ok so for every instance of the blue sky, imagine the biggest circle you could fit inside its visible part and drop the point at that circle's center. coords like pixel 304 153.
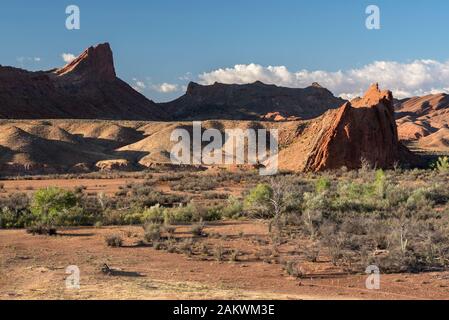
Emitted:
pixel 171 41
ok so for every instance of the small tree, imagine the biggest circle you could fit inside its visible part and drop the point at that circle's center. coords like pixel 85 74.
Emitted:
pixel 50 206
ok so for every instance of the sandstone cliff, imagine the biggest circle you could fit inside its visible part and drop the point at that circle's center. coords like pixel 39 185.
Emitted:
pixel 86 88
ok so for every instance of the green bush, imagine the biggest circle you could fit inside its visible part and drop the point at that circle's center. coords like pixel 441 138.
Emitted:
pixel 180 215
pixel 13 219
pixel 233 208
pixel 210 214
pixel 258 201
pixel 56 207
pixel 442 164
pixel 322 185
pixel 154 214
pixel 15 211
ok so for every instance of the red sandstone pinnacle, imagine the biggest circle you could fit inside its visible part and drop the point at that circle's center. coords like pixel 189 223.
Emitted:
pixel 94 62
pixel 364 129
pixel 86 88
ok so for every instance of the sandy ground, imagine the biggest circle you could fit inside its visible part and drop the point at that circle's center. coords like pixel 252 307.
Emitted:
pixel 33 267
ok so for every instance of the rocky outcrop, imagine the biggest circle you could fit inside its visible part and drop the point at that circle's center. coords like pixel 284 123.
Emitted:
pixel 96 62
pixel 114 165
pixel 363 130
pixel 86 88
pixel 251 102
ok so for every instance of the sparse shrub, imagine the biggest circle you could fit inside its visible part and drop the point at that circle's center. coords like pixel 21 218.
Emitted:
pixel 171 247
pixel 215 195
pixel 365 165
pixel 194 183
pixel 154 214
pixel 418 199
pixel 292 268
pixel 322 185
pixel 219 253
pixel 442 164
pixel 152 232
pixel 114 241
pixel 233 208
pixel 40 229
pixel 186 247
pixel 312 253
pixel 235 254
pixel 204 249
pixel 79 189
pixel 98 224
pixel 170 230
pixel 198 229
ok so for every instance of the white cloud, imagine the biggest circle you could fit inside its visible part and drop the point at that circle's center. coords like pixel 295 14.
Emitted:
pixel 419 77
pixel 165 87
pixel 68 57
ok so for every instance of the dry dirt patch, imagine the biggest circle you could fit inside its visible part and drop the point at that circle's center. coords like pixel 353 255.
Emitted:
pixel 34 268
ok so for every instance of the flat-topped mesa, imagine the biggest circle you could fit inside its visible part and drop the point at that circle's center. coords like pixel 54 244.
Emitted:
pixel 252 101
pixel 94 63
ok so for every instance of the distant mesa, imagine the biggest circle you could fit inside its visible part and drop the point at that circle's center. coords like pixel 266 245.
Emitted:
pixel 86 88
pixel 251 102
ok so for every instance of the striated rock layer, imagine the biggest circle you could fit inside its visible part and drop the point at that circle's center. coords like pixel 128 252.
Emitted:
pixel 361 130
pixel 424 121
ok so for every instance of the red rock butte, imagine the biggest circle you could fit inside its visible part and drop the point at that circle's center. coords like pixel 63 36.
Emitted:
pixel 96 61
pixel 363 130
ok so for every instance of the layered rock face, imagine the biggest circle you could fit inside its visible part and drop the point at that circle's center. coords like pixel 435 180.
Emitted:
pixel 256 101
pixel 361 130
pixel 424 121
pixel 86 88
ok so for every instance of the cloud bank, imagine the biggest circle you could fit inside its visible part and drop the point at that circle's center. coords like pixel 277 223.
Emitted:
pixel 419 77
